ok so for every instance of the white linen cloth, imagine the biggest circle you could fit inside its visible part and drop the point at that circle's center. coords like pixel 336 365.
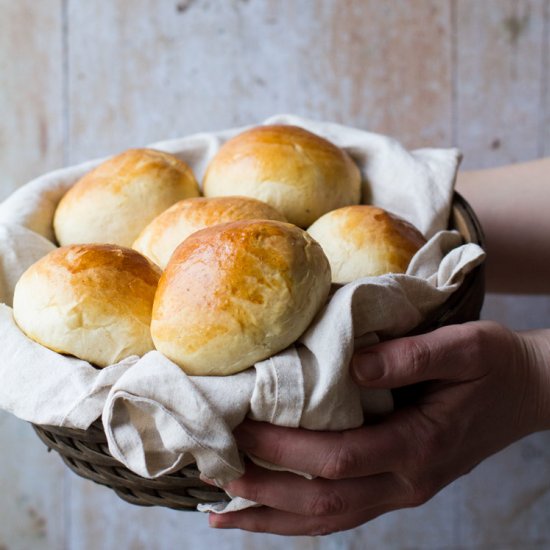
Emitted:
pixel 156 418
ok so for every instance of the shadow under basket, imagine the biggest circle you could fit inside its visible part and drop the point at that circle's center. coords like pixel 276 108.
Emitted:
pixel 87 454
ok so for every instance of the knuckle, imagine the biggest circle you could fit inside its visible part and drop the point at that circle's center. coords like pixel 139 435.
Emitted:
pixel 244 489
pixel 474 339
pixel 275 446
pixel 342 462
pixel 477 337
pixel 417 354
pixel 477 342
pixel 278 451
pixel 327 504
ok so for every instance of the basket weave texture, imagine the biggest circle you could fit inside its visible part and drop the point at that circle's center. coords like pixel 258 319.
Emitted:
pixel 86 452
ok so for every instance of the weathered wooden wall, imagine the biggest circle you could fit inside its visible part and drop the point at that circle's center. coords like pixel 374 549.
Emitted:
pixel 84 79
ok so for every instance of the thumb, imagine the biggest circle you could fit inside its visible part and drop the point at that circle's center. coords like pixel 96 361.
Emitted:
pixel 444 354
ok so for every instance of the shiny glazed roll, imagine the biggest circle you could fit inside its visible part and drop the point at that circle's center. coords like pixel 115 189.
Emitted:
pixel 365 241
pixel 116 200
pixel 236 293
pixel 162 236
pixel 90 301
pixel 297 172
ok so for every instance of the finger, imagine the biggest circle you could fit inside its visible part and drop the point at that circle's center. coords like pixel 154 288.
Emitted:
pixel 359 452
pixel 316 497
pixel 444 354
pixel 268 520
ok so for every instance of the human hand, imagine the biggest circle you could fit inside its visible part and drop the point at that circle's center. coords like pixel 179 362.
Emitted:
pixel 482 387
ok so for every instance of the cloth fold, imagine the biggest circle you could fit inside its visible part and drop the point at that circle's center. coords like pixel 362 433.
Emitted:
pixel 156 418
pixel 160 428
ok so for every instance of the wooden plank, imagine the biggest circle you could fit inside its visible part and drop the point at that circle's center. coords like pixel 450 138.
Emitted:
pixel 152 70
pixel 31 488
pixel 386 66
pixel 507 501
pixel 31 78
pixel 31 142
pixel 544 116
pixel 518 312
pixel 499 80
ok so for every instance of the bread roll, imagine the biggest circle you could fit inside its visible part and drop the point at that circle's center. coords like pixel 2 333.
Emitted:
pixel 365 241
pixel 116 200
pixel 90 301
pixel 161 237
pixel 297 172
pixel 236 293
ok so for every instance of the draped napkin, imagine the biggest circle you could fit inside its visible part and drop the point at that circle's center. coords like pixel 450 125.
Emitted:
pixel 156 418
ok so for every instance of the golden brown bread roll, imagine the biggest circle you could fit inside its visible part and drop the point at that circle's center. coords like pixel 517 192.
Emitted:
pixel 116 200
pixel 297 172
pixel 236 293
pixel 90 301
pixel 365 241
pixel 161 237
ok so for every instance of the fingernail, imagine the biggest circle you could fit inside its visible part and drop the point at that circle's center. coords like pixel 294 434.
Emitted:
pixel 246 440
pixel 218 521
pixel 367 367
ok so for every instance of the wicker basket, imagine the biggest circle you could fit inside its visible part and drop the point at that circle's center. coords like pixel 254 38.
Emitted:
pixel 87 453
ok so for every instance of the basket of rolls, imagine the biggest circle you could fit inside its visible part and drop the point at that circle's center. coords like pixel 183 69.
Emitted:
pixel 152 300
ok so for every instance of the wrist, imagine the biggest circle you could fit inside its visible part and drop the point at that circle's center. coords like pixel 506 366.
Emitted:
pixel 537 351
